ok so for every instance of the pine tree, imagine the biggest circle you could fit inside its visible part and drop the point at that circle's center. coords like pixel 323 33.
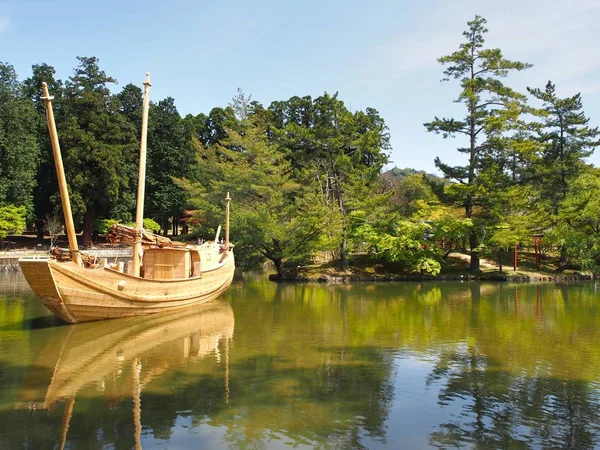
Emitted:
pixel 566 141
pixel 490 106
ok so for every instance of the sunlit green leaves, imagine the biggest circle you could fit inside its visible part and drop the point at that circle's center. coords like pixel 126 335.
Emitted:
pixel 12 220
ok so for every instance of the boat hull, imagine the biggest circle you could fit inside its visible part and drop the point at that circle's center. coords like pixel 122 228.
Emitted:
pixel 76 294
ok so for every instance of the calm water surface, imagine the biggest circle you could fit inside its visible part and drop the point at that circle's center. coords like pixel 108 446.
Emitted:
pixel 275 366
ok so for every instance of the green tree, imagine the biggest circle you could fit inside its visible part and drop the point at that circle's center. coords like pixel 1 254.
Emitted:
pixel 212 128
pixel 129 104
pixel 346 152
pixel 448 228
pixel 46 199
pixel 168 157
pixel 409 191
pixel 274 216
pixel 406 244
pixel 491 109
pixel 511 219
pixel 577 228
pixel 12 220
pixel 96 139
pixel 566 139
pixel 19 147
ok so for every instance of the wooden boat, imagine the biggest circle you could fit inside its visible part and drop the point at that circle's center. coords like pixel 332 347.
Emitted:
pixel 162 276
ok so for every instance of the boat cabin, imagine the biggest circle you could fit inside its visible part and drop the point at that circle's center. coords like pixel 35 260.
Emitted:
pixel 178 263
pixel 171 263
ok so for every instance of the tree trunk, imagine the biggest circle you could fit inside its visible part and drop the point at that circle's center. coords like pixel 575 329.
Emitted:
pixel 279 267
pixel 562 265
pixel 344 243
pixel 474 267
pixel 343 258
pixel 174 227
pixel 88 227
pixel 500 262
pixel 39 228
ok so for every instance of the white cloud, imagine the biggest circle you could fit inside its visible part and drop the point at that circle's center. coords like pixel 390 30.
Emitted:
pixel 4 23
pixel 559 38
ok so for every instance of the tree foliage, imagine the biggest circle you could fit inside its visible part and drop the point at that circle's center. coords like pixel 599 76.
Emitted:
pixel 274 216
pixel 46 199
pixel 566 140
pixel 168 156
pixel 12 220
pixel 492 109
pixel 345 151
pixel 305 173
pixel 19 146
pixel 96 139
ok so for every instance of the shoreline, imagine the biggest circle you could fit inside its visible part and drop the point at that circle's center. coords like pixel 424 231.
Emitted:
pixel 9 263
pixel 347 279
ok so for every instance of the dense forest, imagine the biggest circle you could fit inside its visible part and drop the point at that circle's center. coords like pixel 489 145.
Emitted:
pixel 305 174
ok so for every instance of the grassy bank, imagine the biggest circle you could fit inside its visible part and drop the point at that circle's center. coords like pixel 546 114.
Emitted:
pixel 456 266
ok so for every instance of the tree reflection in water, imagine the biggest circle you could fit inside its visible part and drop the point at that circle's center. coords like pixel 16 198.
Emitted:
pixel 513 409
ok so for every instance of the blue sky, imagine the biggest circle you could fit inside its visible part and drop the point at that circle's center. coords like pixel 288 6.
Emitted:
pixel 377 53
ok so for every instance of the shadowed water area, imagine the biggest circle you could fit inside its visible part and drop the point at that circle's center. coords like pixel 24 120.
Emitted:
pixel 410 365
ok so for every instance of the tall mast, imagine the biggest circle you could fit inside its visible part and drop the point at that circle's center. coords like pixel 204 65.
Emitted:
pixel 60 174
pixel 139 210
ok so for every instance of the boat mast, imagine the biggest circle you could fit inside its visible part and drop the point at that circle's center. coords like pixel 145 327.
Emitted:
pixel 60 174
pixel 139 210
pixel 228 199
pixel 66 422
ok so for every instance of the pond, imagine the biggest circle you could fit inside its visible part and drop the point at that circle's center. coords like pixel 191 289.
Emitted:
pixel 398 365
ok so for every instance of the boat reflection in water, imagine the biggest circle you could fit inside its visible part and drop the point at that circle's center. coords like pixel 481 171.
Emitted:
pixel 120 357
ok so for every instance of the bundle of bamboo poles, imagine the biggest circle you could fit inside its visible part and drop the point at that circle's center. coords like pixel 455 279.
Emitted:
pixel 122 234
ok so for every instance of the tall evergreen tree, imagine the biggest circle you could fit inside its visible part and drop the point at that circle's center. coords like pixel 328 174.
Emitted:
pixel 46 199
pixel 95 138
pixel 168 157
pixel 490 108
pixel 566 140
pixel 19 147
pixel 129 104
